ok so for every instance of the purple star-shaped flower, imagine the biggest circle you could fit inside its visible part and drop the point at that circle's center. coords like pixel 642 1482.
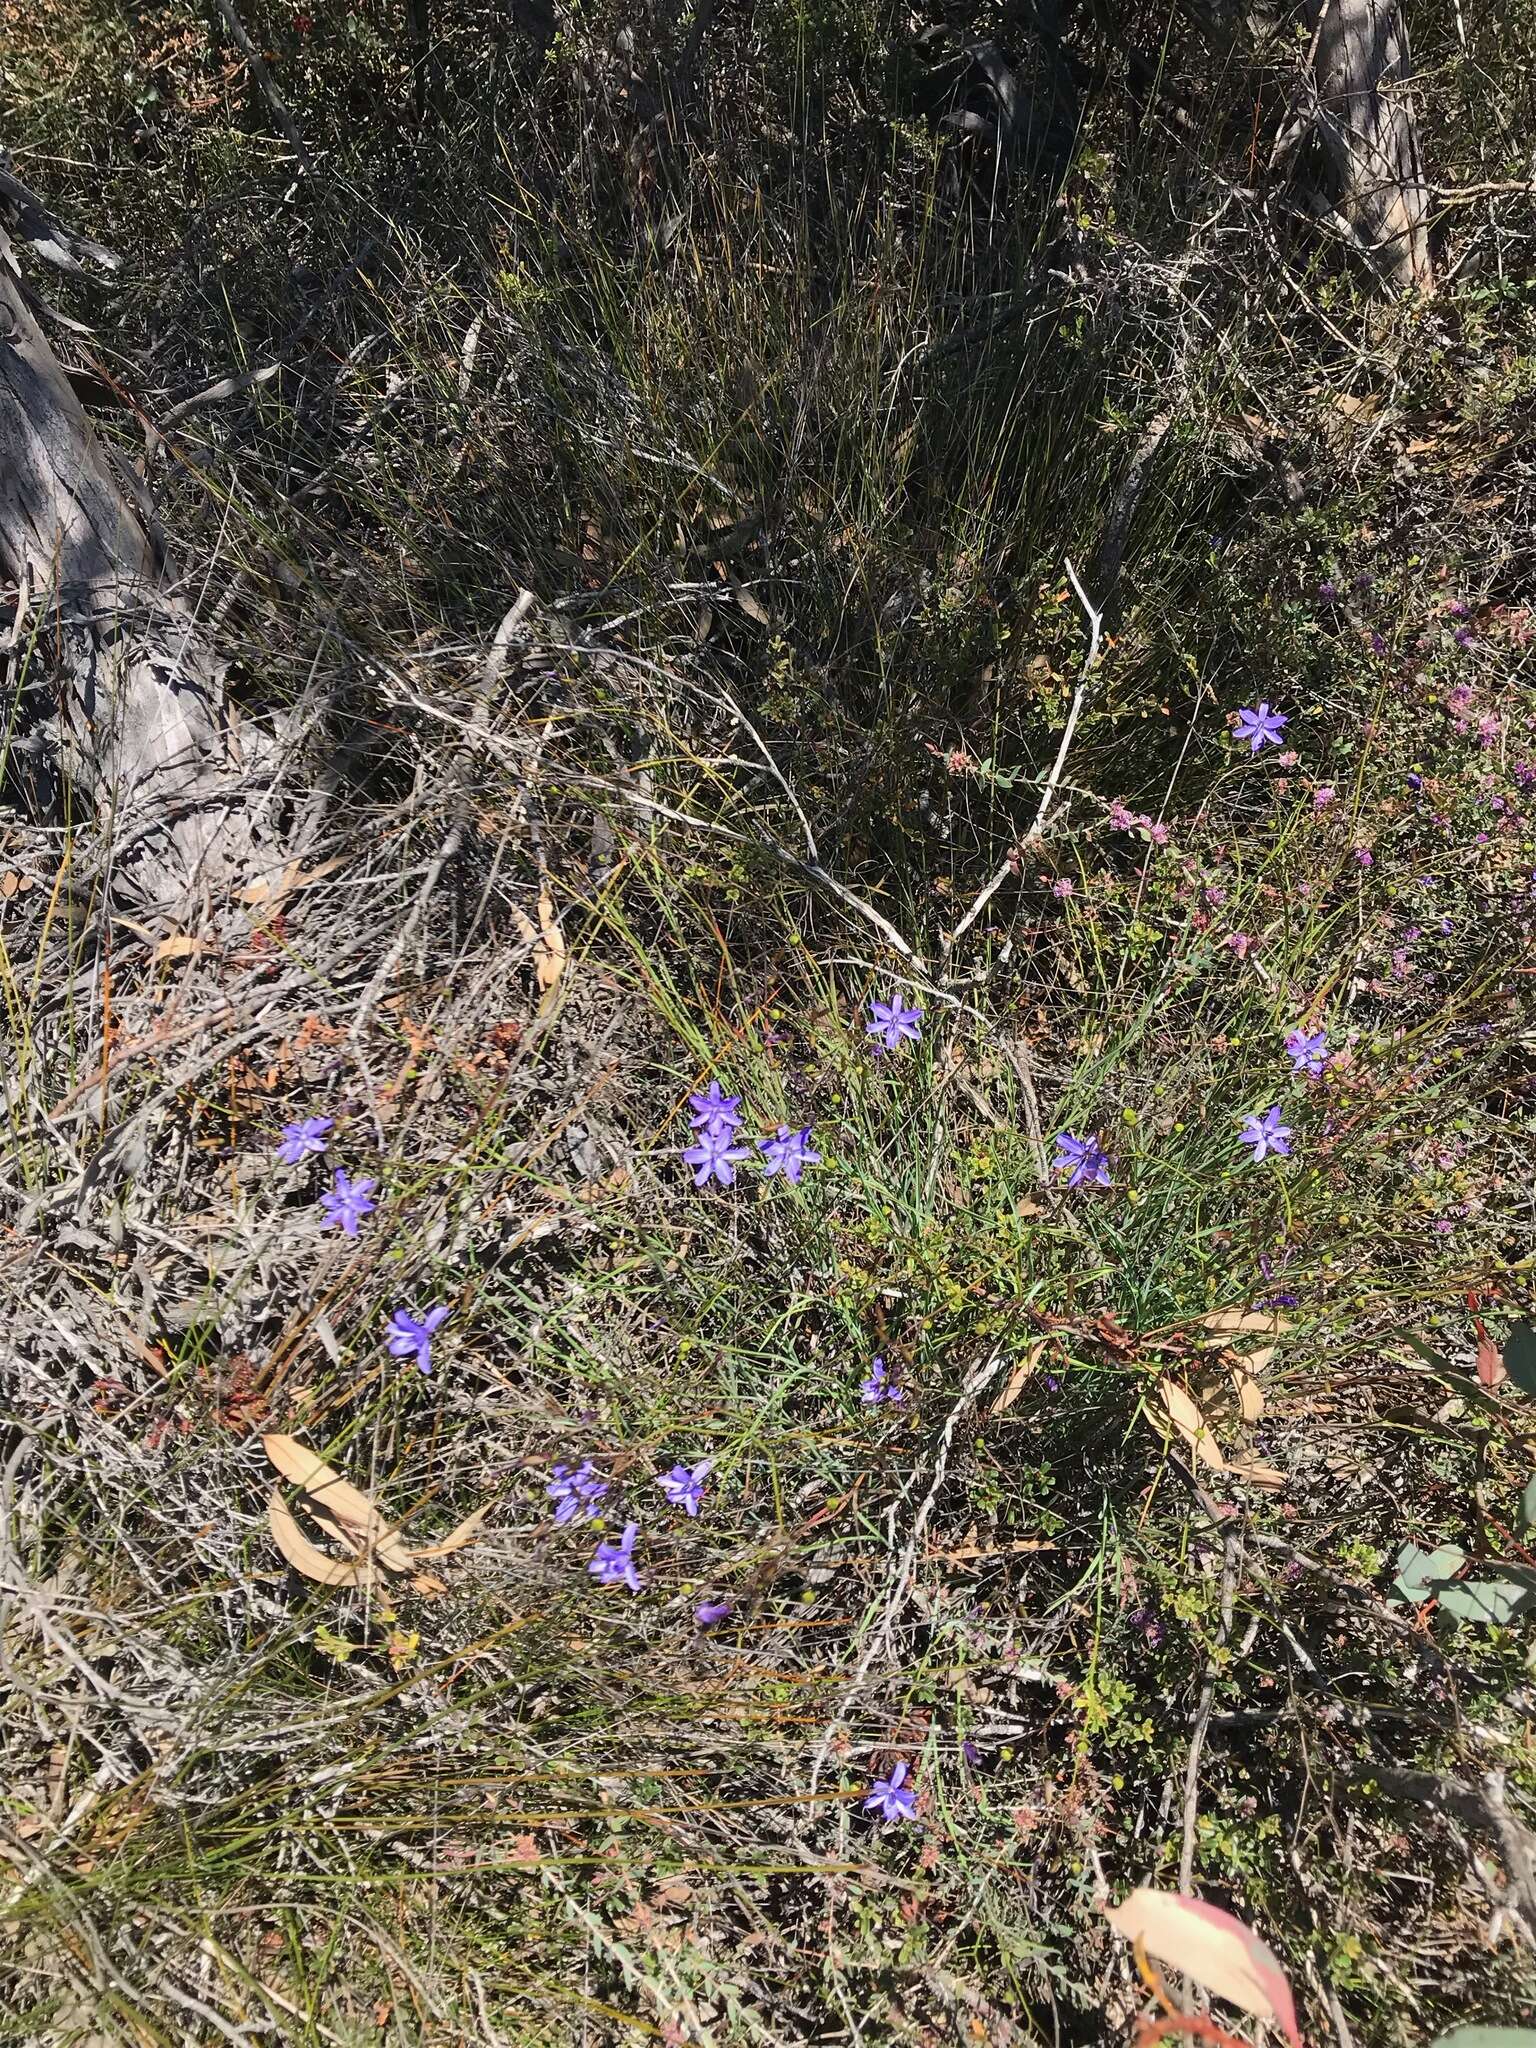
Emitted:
pixel 891 1024
pixel 1266 1134
pixel 1260 726
pixel 613 1564
pixel 714 1113
pixel 576 1494
pixel 879 1386
pixel 893 1798
pixel 304 1139
pixel 713 1157
pixel 1308 1051
pixel 789 1153
pixel 347 1203
pixel 685 1489
pixel 409 1338
pixel 708 1612
pixel 1083 1160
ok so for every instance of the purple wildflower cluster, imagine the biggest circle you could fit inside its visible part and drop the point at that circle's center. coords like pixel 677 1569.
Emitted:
pixel 1266 1133
pixel 684 1488
pixel 1308 1051
pixel 344 1204
pixel 613 1564
pixel 577 1493
pixel 715 1154
pixel 303 1140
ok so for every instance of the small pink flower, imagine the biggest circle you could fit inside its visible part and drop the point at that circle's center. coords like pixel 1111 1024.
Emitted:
pixel 1323 796
pixel 1119 817
pixel 1156 831
pixel 1061 888
pixel 1289 758
pixel 1240 943
pixel 1215 896
pixel 1364 856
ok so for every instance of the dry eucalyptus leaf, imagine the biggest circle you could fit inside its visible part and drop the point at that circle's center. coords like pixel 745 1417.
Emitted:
pixel 1256 1472
pixel 1021 1372
pixel 1230 1322
pixel 752 606
pixel 1491 1369
pixel 547 941
pixel 1250 1395
pixel 456 1539
pixel 1190 1424
pixel 1213 1948
pixel 326 1487
pixel 306 1557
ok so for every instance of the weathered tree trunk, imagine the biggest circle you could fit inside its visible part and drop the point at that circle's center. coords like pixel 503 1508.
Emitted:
pixel 142 732
pixel 1361 69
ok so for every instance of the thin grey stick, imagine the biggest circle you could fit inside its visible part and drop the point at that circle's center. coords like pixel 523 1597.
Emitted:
pixel 1048 795
pixel 1232 1555
pixel 282 113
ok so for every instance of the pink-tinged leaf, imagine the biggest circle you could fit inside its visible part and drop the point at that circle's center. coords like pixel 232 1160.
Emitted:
pixel 1213 1948
pixel 1490 1363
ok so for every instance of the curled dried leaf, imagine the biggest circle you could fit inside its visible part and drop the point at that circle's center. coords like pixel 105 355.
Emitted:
pixel 306 1557
pixel 1256 1472
pixel 456 1539
pixel 1027 1365
pixel 547 941
pixel 1491 1369
pixel 1191 1425
pixel 1250 1395
pixel 344 1502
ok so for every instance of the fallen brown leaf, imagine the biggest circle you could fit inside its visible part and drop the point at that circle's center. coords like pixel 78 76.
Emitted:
pixel 1211 1946
pixel 1187 1419
pixel 339 1497
pixel 1226 1322
pixel 548 943
pixel 1256 1472
pixel 1250 1395
pixel 307 1557
pixel 466 1532
pixel 1026 1366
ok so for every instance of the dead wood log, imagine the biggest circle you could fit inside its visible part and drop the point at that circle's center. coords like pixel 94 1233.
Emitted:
pixel 1365 119
pixel 141 725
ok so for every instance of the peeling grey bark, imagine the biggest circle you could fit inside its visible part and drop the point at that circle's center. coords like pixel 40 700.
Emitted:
pixel 143 732
pixel 1365 117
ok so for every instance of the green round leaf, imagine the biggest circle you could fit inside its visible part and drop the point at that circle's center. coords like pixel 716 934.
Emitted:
pixel 1487 2037
pixel 1422 1572
pixel 1493 1602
